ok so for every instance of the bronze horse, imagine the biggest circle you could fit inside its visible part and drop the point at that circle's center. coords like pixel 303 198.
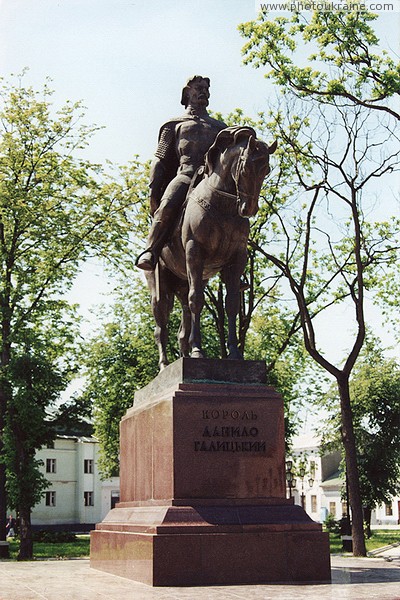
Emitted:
pixel 210 237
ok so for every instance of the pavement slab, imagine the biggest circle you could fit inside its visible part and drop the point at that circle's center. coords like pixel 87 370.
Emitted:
pixel 352 579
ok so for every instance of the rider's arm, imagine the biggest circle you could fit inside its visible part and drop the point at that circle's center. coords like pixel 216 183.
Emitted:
pixel 158 177
pixel 164 165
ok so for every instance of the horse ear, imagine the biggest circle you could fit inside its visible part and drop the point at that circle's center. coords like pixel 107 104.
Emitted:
pixel 251 143
pixel 221 142
pixel 273 147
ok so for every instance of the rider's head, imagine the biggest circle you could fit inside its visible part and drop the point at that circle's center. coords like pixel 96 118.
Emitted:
pixel 196 92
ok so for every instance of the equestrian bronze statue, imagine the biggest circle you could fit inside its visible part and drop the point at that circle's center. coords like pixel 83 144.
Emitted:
pixel 182 145
pixel 206 229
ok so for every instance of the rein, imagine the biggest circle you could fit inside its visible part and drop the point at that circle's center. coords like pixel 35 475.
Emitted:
pixel 237 196
pixel 224 208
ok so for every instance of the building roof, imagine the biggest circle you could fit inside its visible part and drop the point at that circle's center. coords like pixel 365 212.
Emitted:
pixel 79 438
pixel 336 480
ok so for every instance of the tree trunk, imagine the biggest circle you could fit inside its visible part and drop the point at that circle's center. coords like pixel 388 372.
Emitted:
pixel 349 444
pixel 3 500
pixel 367 520
pixel 25 531
pixel 4 399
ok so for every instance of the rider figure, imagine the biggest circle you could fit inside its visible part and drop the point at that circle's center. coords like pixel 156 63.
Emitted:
pixel 182 145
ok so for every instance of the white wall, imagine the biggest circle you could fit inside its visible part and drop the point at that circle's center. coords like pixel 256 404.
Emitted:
pixel 306 449
pixel 70 482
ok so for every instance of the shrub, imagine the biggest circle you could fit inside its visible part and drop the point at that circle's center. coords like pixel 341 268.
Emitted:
pixel 53 537
pixel 331 524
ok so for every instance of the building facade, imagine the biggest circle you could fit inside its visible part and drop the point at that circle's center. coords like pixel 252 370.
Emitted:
pixel 76 496
pixel 319 485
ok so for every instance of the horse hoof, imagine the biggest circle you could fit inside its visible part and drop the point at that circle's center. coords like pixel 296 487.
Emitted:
pixel 196 354
pixel 162 366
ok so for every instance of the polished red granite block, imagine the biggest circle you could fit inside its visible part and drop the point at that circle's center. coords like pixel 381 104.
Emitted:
pixel 213 558
pixel 203 492
pixel 204 441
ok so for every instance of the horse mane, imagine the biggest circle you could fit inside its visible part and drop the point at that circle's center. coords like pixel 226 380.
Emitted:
pixel 225 138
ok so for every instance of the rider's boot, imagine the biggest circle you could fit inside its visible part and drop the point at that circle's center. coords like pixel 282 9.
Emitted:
pixel 149 258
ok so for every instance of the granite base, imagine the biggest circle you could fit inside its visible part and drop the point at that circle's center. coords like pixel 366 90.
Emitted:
pixel 203 492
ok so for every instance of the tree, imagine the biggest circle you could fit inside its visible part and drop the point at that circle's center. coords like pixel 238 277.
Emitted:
pixel 342 45
pixel 56 209
pixel 338 148
pixel 350 252
pixel 120 358
pixel 377 416
pixel 39 370
pixel 375 398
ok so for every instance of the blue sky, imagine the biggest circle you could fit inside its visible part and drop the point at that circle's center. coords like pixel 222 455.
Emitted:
pixel 128 60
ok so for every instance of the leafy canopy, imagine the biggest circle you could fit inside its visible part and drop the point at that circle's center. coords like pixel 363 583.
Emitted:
pixel 342 48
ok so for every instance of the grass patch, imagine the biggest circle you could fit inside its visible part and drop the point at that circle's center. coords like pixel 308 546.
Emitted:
pixel 41 550
pixel 379 538
pixel 81 546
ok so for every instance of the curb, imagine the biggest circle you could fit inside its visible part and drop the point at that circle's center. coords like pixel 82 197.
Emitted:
pixel 383 549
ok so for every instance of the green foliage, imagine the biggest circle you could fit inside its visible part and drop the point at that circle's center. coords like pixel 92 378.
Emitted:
pixel 119 358
pixel 38 371
pixel 342 45
pixel 375 395
pixel 53 537
pixel 376 399
pixel 331 524
pixel 56 210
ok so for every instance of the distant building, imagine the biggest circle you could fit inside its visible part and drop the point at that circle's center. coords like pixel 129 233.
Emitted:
pixel 319 491
pixel 76 497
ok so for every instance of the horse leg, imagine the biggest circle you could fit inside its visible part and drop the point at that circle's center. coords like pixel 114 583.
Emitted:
pixel 162 300
pixel 231 276
pixel 194 265
pixel 182 293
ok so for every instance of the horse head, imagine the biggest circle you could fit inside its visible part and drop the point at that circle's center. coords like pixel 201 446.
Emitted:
pixel 242 163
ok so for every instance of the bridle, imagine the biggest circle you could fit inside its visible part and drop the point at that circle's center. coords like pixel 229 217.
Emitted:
pixel 239 194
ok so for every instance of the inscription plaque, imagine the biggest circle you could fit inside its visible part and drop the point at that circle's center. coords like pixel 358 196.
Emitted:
pixel 250 433
pixel 231 446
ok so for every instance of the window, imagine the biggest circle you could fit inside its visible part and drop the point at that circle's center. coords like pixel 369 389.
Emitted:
pixel 344 509
pixel 388 510
pixel 88 465
pixel 312 468
pixel 314 504
pixel 332 508
pixel 50 498
pixel 88 498
pixel 50 465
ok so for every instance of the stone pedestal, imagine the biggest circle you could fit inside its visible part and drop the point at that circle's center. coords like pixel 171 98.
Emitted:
pixel 4 550
pixel 203 493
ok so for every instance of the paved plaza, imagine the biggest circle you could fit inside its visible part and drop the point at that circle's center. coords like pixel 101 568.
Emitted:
pixel 377 577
